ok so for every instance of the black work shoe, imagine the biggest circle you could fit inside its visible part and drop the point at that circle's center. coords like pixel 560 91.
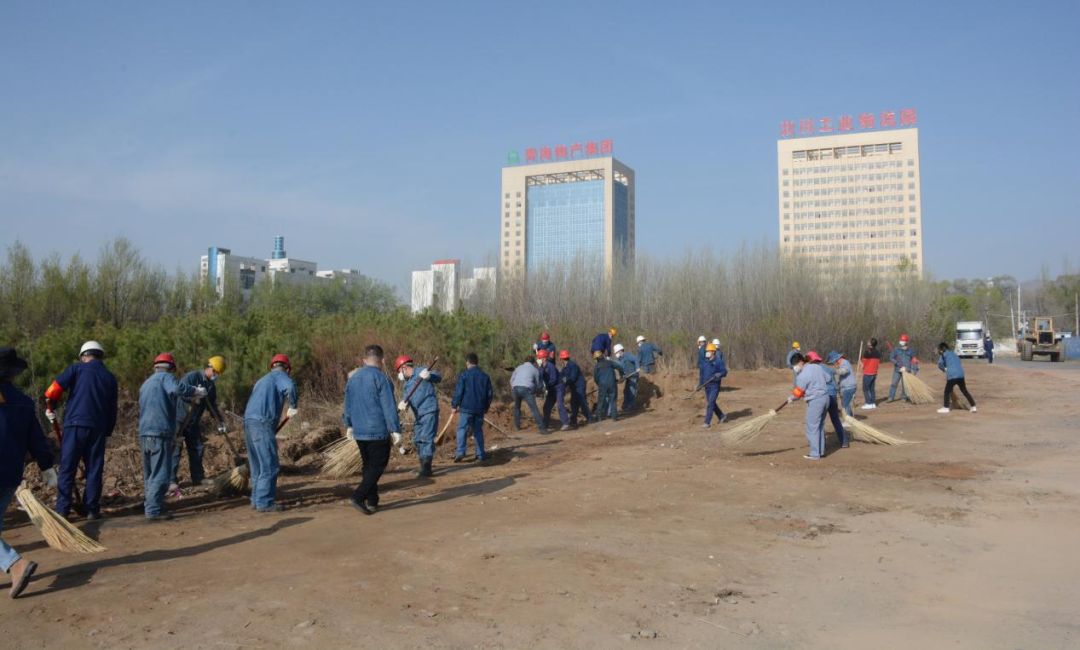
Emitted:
pixel 359 505
pixel 425 470
pixel 165 516
pixel 373 506
pixel 459 459
pixel 723 418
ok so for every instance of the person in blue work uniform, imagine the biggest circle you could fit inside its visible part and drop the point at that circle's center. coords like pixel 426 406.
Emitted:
pixel 157 431
pixel 555 392
pixel 191 438
pixel 903 358
pixel 711 373
pixel 574 381
pixel 89 419
pixel 546 345
pixel 602 343
pixel 701 343
pixel 261 417
pixel 647 351
pixel 425 407
pixel 796 350
pixel 607 386
pixel 525 383
pixel 472 399
pixel 834 403
pixel 629 364
pixel 949 363
pixel 811 385
pixel 20 434
pixel 988 345
pixel 846 374
pixel 372 421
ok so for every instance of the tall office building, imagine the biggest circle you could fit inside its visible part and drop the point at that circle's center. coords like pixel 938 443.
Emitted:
pixel 852 199
pixel 576 210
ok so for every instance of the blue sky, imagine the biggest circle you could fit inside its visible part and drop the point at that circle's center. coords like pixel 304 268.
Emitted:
pixel 372 135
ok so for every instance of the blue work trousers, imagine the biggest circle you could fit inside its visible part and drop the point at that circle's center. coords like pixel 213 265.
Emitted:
pixel 192 441
pixel 847 395
pixel 629 394
pixel 525 394
pixel 157 468
pixel 424 434
pixel 474 421
pixel 897 380
pixel 86 445
pixel 869 389
pixel 261 439
pixel 8 555
pixel 834 416
pixel 607 402
pixel 712 393
pixel 815 425
pixel 579 402
pixel 555 396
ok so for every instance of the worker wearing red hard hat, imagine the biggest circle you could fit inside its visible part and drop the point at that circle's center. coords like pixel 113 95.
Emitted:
pixel 555 390
pixel 89 419
pixel 261 417
pixel 811 385
pixel 546 345
pixel 418 393
pixel 157 431
pixel 903 358
pixel 574 381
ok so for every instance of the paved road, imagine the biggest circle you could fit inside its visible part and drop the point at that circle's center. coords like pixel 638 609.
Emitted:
pixel 1070 366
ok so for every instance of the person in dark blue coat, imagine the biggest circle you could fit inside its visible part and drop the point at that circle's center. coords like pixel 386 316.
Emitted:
pixel 20 433
pixel 191 438
pixel 602 343
pixel 554 390
pixel 472 399
pixel 988 345
pixel 574 381
pixel 420 382
pixel 89 419
pixel 607 374
pixel 546 345
pixel 261 417
pixel 371 420
pixel 647 353
pixel 712 372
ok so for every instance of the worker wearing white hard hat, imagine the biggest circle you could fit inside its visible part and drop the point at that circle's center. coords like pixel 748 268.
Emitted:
pixel 647 353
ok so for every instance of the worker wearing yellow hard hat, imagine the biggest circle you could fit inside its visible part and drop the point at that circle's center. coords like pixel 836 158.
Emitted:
pixel 795 349
pixel 190 437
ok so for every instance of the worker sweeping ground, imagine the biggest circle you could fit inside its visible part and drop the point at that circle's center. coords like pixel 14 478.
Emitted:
pixel 629 364
pixel 554 391
pixel 419 391
pixel 647 354
pixel 811 385
pixel 711 373
pixel 871 360
pixel 525 383
pixel 949 363
pixel 191 437
pixel 20 434
pixel 607 374
pixel 574 382
pixel 89 420
pixel 372 421
pixel 472 399
pixel 846 376
pixel 832 391
pixel 603 343
pixel 261 417
pixel 903 359
pixel 158 430
pixel 789 361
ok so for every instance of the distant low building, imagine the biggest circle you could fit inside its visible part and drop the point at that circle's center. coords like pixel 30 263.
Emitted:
pixel 220 265
pixel 441 287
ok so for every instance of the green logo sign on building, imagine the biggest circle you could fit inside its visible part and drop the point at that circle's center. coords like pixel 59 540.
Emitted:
pixel 512 158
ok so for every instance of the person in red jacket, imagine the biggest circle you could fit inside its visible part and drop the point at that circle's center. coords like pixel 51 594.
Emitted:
pixel 870 361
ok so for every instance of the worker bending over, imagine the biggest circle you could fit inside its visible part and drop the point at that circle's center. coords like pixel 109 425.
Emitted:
pixel 574 381
pixel 554 390
pixel 191 437
pixel 949 363
pixel 602 343
pixel 420 383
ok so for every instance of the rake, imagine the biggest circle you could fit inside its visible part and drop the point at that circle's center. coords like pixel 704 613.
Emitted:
pixel 750 429
pixel 56 530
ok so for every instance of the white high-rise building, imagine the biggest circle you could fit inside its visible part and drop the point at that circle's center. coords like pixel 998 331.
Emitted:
pixel 442 288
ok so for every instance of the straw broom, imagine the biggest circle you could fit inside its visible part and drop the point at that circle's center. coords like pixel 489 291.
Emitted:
pixel 865 433
pixel 342 458
pixel 750 429
pixel 917 390
pixel 56 530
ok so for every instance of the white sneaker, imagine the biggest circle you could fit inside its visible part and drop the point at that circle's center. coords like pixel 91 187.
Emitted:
pixel 943 410
pixel 974 409
pixel 867 407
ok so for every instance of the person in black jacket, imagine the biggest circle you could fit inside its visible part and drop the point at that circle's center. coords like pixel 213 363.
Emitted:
pixel 574 381
pixel 607 374
pixel 472 399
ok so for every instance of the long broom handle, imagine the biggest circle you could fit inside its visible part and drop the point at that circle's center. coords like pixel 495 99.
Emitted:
pixel 417 384
pixel 858 371
pixel 625 377
pixel 446 426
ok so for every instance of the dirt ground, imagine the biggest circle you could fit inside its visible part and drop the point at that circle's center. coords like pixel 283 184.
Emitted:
pixel 648 532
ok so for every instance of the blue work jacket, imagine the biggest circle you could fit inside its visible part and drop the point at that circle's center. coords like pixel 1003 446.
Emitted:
pixel 711 368
pixel 604 373
pixel 548 346
pixel 20 432
pixel 549 375
pixel 847 375
pixel 830 388
pixel 647 353
pixel 268 397
pixel 629 363
pixel 601 342
pixel 424 400
pixel 157 404
pixel 572 376
pixel 92 396
pixel 369 405
pixel 904 357
pixel 473 392
pixel 950 364
pixel 197 378
pixel 790 354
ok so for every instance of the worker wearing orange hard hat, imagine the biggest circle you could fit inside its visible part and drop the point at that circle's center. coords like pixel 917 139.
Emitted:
pixel 789 361
pixel 603 343
pixel 261 417
pixel 190 439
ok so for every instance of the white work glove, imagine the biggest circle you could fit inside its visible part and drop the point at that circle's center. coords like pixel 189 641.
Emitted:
pixel 292 412
pixel 402 405
pixel 903 369
pixel 200 392
pixel 349 432
pixel 49 476
pixel 791 400
pixel 50 416
pixel 425 374
pixel 221 428
pixel 395 437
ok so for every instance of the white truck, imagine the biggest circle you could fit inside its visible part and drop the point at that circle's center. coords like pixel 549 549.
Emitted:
pixel 969 340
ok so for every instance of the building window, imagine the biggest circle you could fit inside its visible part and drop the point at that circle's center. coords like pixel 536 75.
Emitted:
pixel 786 204
pixel 913 233
pixel 518 195
pixel 518 213
pixel 519 204
pixel 507 205
pixel 787 226
pixel 911 174
pixel 787 215
pixel 910 197
pixel 786 195
pixel 914 256
pixel 785 172
pixel 911 186
pixel 911 208
pixel 508 195
pixel 506 224
pixel 507 215
pixel 786 182
pixel 506 253
pixel 910 162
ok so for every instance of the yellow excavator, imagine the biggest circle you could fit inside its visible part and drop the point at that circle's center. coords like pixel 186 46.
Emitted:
pixel 1042 339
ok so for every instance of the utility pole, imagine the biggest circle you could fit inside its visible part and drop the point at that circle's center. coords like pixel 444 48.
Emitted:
pixel 1076 313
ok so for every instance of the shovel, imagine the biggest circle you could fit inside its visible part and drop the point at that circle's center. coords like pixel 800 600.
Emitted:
pixel 695 391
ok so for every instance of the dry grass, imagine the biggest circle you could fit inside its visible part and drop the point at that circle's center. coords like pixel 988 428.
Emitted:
pixel 56 530
pixel 865 433
pixel 236 480
pixel 342 458
pixel 917 390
